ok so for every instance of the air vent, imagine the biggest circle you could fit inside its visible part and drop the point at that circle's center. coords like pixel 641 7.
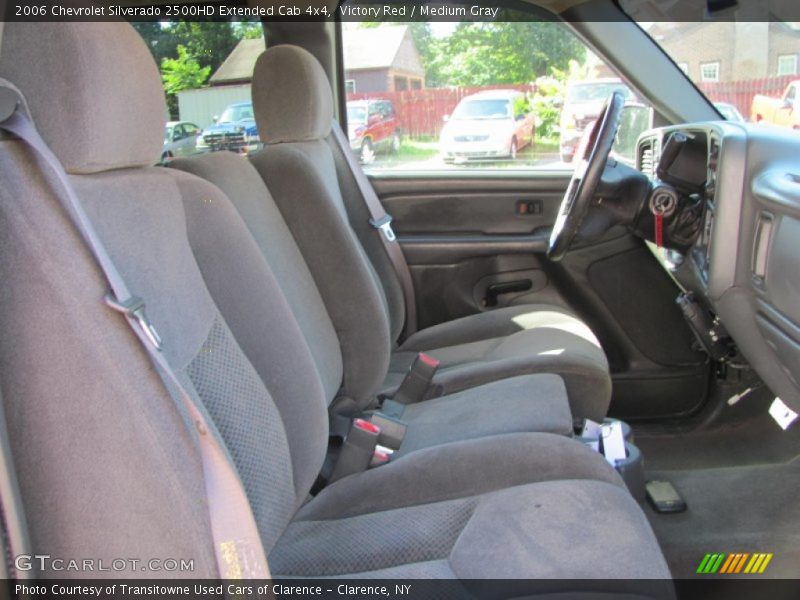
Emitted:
pixel 646 157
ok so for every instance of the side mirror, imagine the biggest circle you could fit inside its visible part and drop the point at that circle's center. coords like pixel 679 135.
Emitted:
pixel 445 118
pixel 215 118
pixel 634 121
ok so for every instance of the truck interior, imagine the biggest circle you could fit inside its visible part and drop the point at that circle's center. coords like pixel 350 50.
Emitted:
pixel 408 372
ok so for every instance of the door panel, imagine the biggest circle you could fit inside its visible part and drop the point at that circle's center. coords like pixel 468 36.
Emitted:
pixel 471 249
pixel 485 205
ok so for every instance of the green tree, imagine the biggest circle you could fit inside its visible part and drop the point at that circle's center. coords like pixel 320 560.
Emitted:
pixel 182 73
pixel 509 52
pixel 209 43
pixel 248 30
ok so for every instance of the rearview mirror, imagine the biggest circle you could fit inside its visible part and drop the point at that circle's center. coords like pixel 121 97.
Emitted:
pixel 215 118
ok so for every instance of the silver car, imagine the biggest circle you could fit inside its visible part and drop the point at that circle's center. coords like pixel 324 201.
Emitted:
pixel 487 125
pixel 180 139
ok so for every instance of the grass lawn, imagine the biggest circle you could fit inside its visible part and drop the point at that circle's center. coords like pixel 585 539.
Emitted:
pixel 424 149
pixel 424 152
pixel 412 149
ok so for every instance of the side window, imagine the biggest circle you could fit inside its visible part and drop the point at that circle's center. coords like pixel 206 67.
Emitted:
pixel 179 133
pixel 473 95
pixel 791 94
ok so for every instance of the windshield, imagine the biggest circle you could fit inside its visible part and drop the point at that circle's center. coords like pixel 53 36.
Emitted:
pixel 356 114
pixel 483 109
pixel 167 133
pixel 595 92
pixel 232 114
pixel 742 67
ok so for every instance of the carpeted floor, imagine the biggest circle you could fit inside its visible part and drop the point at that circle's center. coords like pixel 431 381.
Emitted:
pixel 742 487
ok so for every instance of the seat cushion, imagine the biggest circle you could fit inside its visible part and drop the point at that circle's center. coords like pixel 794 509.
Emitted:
pixel 520 404
pixel 520 506
pixel 512 341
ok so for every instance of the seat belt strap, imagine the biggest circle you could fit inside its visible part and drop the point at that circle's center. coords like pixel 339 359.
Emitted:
pixel 382 222
pixel 237 544
pixel 17 540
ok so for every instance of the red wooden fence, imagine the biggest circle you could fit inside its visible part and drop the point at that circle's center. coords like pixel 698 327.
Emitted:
pixel 421 112
pixel 741 93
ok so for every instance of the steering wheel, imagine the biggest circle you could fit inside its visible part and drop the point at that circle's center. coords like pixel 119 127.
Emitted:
pixel 586 178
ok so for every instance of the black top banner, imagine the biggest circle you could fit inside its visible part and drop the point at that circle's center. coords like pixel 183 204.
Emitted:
pixel 398 10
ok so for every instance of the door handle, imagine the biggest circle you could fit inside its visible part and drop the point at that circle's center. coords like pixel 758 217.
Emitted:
pixel 507 287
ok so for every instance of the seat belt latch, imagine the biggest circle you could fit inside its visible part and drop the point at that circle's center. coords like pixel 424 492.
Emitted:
pixel 418 380
pixel 134 309
pixel 358 449
pixel 384 224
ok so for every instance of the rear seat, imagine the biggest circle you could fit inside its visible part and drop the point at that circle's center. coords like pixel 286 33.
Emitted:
pixel 106 466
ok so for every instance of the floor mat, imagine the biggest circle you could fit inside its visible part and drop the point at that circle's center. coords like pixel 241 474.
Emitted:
pixel 732 509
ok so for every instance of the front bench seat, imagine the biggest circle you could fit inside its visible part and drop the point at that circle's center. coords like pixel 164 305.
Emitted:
pixel 85 410
pixel 316 193
pixel 535 402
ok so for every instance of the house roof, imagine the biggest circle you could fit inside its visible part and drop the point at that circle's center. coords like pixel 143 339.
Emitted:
pixel 364 48
pixel 239 64
pixel 372 47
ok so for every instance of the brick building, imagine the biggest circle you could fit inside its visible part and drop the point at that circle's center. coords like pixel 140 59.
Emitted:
pixel 731 51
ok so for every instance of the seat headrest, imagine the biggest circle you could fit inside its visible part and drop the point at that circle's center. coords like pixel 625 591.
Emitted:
pixel 292 97
pixel 93 90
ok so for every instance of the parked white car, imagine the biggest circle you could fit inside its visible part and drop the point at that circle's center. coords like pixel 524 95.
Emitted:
pixel 180 139
pixel 487 125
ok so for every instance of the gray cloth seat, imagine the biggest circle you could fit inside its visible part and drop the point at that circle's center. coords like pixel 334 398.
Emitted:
pixel 533 503
pixel 317 195
pixel 507 342
pixel 91 424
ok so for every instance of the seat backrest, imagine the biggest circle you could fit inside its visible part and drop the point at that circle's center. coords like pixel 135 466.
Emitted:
pixel 294 111
pixel 240 182
pixel 91 425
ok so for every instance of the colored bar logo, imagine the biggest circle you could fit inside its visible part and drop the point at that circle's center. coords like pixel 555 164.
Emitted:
pixel 734 563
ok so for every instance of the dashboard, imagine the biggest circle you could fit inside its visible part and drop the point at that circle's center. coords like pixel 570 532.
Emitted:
pixel 743 260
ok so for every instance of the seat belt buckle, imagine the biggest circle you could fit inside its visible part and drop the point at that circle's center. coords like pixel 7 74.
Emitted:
pixel 384 225
pixel 358 450
pixel 393 431
pixel 418 380
pixel 134 308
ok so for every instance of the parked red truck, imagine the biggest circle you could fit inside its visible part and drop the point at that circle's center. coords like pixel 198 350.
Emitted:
pixel 783 111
